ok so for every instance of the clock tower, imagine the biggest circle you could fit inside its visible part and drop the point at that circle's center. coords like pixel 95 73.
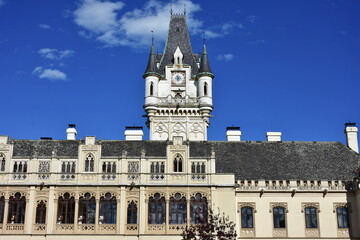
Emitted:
pixel 178 88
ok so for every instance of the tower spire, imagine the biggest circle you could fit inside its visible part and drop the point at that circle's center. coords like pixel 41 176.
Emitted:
pixel 151 67
pixel 204 64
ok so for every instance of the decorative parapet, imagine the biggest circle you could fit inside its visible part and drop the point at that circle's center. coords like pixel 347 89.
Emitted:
pixel 171 101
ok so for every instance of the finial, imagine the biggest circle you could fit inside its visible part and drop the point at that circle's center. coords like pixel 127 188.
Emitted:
pixel 152 37
pixel 171 12
pixel 203 36
pixel 184 8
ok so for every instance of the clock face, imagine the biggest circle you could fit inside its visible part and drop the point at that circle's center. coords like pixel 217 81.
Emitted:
pixel 178 78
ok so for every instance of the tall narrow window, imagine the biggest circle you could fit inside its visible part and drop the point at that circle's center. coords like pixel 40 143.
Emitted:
pixel 311 217
pixel 89 163
pixel 40 212
pixel 151 89
pixel 178 163
pixel 132 213
pixel 2 208
pixel 2 162
pixel 247 217
pixel 205 89
pixel 66 209
pixel 198 209
pixel 17 205
pixel 177 209
pixel 107 209
pixel 279 217
pixel 87 205
pixel 342 217
pixel 157 209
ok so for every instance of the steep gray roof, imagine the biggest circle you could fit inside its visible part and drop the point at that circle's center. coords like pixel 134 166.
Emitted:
pixel 178 35
pixel 151 67
pixel 281 160
pixel 46 148
pixel 133 148
pixel 204 64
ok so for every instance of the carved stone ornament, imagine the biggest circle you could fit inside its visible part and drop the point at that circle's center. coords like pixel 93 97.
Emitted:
pixel 178 128
pixel 278 204
pixel 90 147
pixel 344 204
pixel 305 205
pixel 4 147
pixel 133 166
pixel 246 204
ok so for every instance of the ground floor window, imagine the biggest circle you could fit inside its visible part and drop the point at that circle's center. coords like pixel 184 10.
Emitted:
pixel 107 209
pixel 17 205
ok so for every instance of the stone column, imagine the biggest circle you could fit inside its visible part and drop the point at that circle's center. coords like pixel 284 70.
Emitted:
pixel 6 212
pixel 97 211
pixel 51 211
pixel 142 220
pixel 121 211
pixel 29 211
pixel 76 214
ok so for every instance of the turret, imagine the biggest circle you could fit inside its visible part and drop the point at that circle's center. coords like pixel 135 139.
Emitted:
pixel 205 78
pixel 152 78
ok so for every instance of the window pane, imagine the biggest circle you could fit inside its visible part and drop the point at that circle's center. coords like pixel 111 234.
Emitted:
pixel 247 217
pixel 311 217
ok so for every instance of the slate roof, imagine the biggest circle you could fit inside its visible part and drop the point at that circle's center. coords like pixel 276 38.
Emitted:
pixel 204 64
pixel 46 148
pixel 260 160
pixel 178 35
pixel 281 160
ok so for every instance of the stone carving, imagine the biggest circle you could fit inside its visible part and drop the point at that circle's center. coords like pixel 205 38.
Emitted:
pixel 178 128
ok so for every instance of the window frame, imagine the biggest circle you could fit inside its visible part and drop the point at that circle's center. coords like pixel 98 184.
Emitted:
pixel 108 208
pixel 199 208
pixel 346 217
pixel 68 216
pixel 157 209
pixel 277 217
pixel 132 212
pixel 246 225
pixel 311 216
pixel 177 209
pixel 17 209
pixel 40 215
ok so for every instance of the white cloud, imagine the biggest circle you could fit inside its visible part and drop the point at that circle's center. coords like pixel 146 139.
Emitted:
pixel 44 26
pixel 225 57
pixel 257 41
pixel 55 54
pixel 252 18
pixel 103 21
pixel 2 2
pixel 51 74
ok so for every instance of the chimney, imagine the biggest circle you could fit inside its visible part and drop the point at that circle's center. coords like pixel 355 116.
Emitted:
pixel 71 132
pixel 273 136
pixel 351 136
pixel 233 134
pixel 134 133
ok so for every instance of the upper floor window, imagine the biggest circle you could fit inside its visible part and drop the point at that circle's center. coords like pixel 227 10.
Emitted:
pixel 311 217
pixel 198 167
pixel 107 209
pixel 17 205
pixel 178 163
pixel 66 209
pixel 157 167
pixel 342 217
pixel 2 162
pixel 20 167
pixel 40 212
pixel 247 217
pixel 279 217
pixel 177 208
pixel 87 206
pixel 89 163
pixel 157 209
pixel 198 209
pixel 68 167
pixel 132 212
pixel 109 167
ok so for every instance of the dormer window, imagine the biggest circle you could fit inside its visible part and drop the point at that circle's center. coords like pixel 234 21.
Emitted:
pixel 178 56
pixel 178 163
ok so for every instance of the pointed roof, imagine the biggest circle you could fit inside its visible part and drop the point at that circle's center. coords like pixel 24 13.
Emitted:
pixel 204 64
pixel 178 36
pixel 151 67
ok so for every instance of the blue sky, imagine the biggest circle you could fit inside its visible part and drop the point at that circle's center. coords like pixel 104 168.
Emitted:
pixel 289 66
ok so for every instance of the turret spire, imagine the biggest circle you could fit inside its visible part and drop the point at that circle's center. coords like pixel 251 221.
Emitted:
pixel 204 64
pixel 151 67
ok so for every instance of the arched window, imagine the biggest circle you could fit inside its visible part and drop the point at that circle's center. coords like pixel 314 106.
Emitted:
pixel 89 163
pixel 311 217
pixel 107 209
pixel 198 209
pixel 247 217
pixel 2 208
pixel 87 206
pixel 66 209
pixel 40 212
pixel 17 205
pixel 205 89
pixel 178 163
pixel 342 217
pixel 151 89
pixel 132 213
pixel 177 209
pixel 157 209
pixel 279 217
pixel 2 162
